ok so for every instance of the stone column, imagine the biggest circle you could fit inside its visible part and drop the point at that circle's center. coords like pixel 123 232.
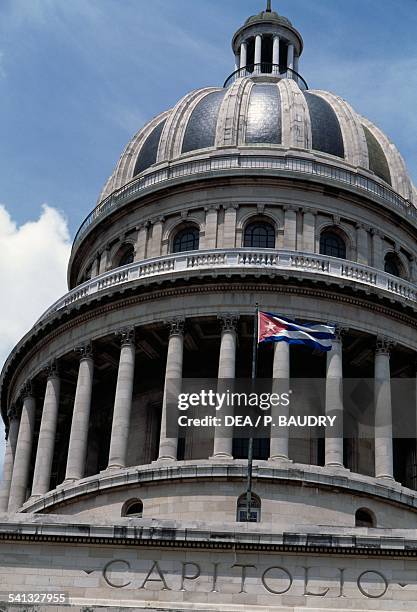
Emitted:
pixel 290 228
pixel 309 231
pixel 275 51
pixel 141 242
pixel 47 434
pixel 9 456
pixel 223 436
pixel 123 400
pixel 95 266
pixel 362 244
pixel 383 411
pixel 104 260
pixel 296 62
pixel 243 54
pixel 258 49
pixel 229 228
pixel 77 450
pixel 156 242
pixel 378 261
pixel 334 402
pixel 21 466
pixel 210 238
pixel 281 377
pixel 290 57
pixel 168 444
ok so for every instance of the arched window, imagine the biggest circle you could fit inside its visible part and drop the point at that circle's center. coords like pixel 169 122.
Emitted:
pixel 332 244
pixel 133 508
pixel 255 509
pixel 186 239
pixel 393 265
pixel 364 518
pixel 259 235
pixel 126 256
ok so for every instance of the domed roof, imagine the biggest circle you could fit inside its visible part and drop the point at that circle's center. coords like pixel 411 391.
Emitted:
pixel 272 116
pixel 269 16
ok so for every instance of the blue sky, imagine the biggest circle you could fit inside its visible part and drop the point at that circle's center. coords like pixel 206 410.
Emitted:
pixel 78 78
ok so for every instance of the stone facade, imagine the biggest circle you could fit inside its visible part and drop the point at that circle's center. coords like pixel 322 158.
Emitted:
pixel 260 192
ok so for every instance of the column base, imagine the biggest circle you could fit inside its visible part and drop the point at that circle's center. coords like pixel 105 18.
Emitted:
pixel 68 481
pixel 334 464
pixel 221 457
pixel 386 477
pixel 164 460
pixel 280 459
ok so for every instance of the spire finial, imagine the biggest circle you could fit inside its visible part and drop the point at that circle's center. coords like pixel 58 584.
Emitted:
pixel 268 6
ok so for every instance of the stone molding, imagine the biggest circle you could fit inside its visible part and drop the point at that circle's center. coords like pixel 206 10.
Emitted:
pixel 392 543
pixel 321 477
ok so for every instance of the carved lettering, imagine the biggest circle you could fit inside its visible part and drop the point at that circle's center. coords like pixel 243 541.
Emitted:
pixel 107 568
pixel 269 588
pixel 244 567
pixel 184 575
pixel 155 568
pixel 366 593
pixel 307 592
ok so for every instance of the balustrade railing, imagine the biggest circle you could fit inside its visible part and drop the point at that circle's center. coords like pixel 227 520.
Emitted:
pixel 268 70
pixel 238 260
pixel 279 164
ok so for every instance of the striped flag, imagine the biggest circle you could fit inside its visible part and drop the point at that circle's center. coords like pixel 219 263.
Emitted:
pixel 274 328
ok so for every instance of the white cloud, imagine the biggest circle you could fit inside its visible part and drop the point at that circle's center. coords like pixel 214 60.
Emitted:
pixel 33 262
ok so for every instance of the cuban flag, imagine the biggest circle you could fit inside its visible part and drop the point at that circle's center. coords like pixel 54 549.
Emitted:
pixel 273 328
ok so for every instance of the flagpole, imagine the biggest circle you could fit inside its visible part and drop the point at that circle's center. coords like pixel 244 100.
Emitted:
pixel 250 441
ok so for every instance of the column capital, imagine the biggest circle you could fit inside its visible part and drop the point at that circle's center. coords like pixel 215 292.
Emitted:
pixel 13 412
pixel 229 321
pixel 26 390
pixel 126 336
pixel 85 350
pixel 156 220
pixel 51 369
pixel 376 232
pixel 311 211
pixel 176 327
pixel 231 205
pixel 143 225
pixel 290 208
pixel 339 331
pixel 384 345
pixel 211 207
pixel 362 226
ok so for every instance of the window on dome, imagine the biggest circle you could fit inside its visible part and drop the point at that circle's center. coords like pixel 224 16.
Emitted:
pixel 259 235
pixel 127 255
pixel 133 508
pixel 332 244
pixel 364 518
pixel 255 509
pixel 392 265
pixel 187 239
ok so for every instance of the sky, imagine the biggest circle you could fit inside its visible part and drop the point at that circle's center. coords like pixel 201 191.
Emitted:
pixel 79 78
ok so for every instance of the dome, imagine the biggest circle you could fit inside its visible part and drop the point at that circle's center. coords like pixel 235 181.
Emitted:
pixel 268 16
pixel 273 115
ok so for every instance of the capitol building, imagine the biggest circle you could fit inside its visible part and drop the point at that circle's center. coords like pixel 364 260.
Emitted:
pixel 259 191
